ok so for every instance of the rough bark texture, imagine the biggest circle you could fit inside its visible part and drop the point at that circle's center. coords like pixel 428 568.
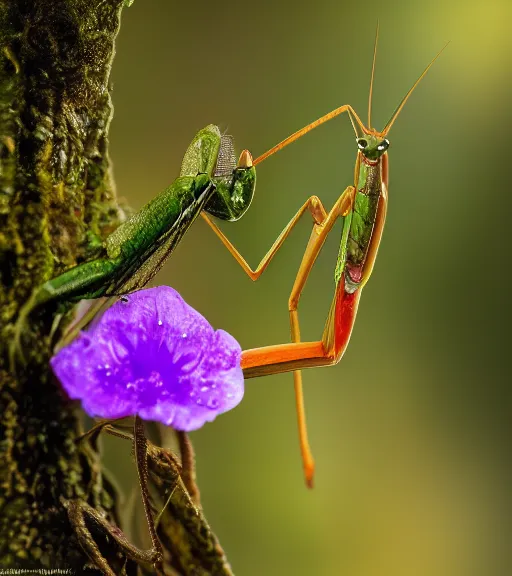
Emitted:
pixel 57 204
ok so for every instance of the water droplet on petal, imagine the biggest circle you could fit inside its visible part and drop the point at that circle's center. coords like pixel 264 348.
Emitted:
pixel 213 403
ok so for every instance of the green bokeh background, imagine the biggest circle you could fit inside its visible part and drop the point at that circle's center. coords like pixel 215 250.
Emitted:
pixel 411 430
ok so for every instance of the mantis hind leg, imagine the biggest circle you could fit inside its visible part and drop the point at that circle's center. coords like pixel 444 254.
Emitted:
pixel 313 248
pixel 82 515
pixel 308 462
pixel 141 458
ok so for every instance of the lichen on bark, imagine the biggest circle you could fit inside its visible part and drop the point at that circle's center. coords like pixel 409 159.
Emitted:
pixel 57 204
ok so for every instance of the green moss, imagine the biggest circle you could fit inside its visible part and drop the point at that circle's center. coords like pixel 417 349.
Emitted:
pixel 55 60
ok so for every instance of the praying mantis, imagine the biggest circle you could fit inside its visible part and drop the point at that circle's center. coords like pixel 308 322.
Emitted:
pixel 211 182
pixel 362 208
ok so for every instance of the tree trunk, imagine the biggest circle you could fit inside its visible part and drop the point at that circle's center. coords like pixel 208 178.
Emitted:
pixel 57 204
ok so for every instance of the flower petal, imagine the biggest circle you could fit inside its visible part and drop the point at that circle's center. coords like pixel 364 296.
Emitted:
pixel 153 355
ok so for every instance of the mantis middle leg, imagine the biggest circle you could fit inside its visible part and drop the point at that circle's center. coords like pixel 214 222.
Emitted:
pixel 269 364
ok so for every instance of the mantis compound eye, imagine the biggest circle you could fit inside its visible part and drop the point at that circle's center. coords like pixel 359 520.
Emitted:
pixel 362 143
pixel 384 145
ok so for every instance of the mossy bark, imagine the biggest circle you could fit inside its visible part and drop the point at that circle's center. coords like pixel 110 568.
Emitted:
pixel 57 204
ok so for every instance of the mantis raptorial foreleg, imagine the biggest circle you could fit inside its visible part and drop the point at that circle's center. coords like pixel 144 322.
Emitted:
pixel 313 205
pixel 322 225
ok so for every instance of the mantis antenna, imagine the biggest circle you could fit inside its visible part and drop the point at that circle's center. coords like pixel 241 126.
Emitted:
pixel 391 121
pixel 351 112
pixel 373 75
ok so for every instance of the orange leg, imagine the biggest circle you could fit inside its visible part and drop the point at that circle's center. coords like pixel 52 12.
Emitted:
pixel 313 205
pixel 280 358
pixel 298 355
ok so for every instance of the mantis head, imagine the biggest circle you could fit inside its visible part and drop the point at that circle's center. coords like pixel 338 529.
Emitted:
pixel 372 147
pixel 235 183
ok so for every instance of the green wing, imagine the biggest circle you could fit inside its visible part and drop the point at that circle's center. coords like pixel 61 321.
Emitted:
pixel 142 270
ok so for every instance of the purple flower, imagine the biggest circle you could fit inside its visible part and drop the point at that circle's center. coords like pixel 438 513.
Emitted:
pixel 153 355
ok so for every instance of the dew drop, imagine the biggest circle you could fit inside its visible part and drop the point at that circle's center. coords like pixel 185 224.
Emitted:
pixel 184 335
pixel 213 403
pixel 160 322
pixel 204 388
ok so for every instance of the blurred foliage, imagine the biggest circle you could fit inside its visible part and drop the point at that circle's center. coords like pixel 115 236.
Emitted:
pixel 411 430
